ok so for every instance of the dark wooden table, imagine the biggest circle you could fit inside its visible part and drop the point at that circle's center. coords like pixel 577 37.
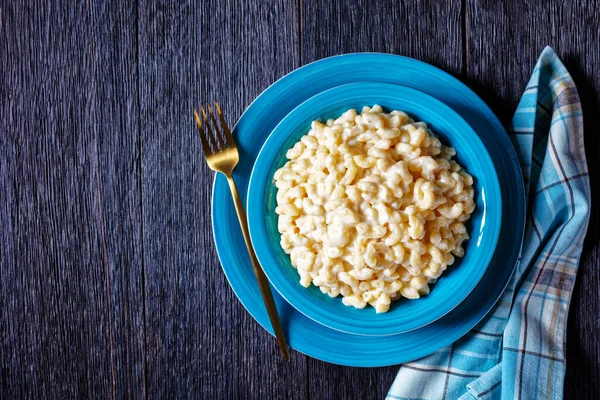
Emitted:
pixel 110 286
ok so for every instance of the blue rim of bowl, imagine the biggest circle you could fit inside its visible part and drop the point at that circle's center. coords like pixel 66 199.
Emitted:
pixel 295 323
pixel 402 317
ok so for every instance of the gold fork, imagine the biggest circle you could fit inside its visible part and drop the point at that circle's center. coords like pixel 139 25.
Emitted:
pixel 223 159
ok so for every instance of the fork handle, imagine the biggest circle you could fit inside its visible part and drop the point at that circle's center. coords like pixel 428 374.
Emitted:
pixel 263 282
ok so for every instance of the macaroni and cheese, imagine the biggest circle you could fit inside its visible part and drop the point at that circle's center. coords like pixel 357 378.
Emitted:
pixel 372 207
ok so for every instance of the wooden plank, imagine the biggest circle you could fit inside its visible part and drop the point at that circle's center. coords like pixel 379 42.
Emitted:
pixel 201 341
pixel 502 50
pixel 71 322
pixel 425 30
pixel 430 31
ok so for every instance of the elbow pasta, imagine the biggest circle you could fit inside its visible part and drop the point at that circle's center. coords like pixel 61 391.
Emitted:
pixel 372 206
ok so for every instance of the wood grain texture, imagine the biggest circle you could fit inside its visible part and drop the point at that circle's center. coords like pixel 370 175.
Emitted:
pixel 71 321
pixel 501 55
pixel 428 30
pixel 201 342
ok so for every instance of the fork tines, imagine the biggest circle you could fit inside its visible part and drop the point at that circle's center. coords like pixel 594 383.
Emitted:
pixel 213 140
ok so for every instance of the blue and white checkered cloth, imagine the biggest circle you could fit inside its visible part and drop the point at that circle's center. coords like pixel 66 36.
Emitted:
pixel 518 350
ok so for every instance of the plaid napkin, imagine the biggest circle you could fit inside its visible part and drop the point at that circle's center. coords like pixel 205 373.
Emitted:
pixel 518 350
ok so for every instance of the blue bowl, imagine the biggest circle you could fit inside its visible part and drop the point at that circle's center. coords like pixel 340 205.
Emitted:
pixel 456 282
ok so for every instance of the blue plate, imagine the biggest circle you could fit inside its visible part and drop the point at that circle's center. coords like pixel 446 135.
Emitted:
pixel 456 283
pixel 260 119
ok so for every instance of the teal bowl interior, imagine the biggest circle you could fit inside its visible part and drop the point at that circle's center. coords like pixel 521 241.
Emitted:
pixel 454 284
